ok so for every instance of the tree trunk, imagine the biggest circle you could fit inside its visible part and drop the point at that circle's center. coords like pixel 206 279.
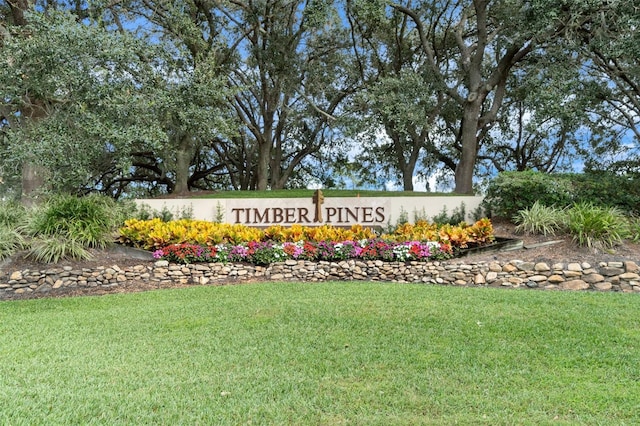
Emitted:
pixel 264 157
pixel 407 167
pixel 32 183
pixel 469 142
pixel 33 174
pixel 275 161
pixel 184 154
pixel 407 179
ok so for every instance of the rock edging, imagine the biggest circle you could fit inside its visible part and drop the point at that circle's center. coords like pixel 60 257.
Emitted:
pixel 623 276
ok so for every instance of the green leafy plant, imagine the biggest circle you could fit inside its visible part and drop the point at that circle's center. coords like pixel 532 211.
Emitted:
pixel 419 215
pixel 88 220
pixel 12 214
pixel 12 217
pixel 219 213
pixel 402 219
pixel 123 210
pixel 634 229
pixel 55 248
pixel 540 219
pixel 597 227
pixel 10 241
pixel 146 212
pixel 457 215
pixel 480 212
pixel 65 226
pixel 511 192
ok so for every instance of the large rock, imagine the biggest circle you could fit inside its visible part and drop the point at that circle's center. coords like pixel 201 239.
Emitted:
pixel 574 285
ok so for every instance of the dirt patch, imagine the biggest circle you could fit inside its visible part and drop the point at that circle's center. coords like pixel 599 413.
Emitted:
pixel 98 258
pixel 554 249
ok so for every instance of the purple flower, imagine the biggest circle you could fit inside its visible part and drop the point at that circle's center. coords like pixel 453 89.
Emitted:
pixel 239 251
pixel 292 249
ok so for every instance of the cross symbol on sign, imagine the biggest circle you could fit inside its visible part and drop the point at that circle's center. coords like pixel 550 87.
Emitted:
pixel 318 200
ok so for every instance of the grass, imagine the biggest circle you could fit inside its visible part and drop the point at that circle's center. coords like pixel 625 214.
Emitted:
pixel 308 193
pixel 333 353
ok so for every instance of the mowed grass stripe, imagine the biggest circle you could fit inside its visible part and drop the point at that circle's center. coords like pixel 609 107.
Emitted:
pixel 331 353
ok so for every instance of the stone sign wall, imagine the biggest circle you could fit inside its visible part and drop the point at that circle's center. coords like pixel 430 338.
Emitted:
pixel 316 210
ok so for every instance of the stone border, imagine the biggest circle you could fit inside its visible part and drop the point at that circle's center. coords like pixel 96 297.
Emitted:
pixel 606 276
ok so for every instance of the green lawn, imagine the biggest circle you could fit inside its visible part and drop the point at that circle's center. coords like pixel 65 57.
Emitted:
pixel 333 353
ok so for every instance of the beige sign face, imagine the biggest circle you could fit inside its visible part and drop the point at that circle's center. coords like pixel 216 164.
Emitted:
pixel 337 211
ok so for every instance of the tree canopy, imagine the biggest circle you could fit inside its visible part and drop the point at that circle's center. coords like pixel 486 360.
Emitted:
pixel 147 97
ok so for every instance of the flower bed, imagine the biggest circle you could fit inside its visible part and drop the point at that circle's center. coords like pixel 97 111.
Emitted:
pixel 267 252
pixel 188 241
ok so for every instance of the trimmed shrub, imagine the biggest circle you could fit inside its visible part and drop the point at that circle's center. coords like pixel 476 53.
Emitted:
pixel 511 192
pixel 608 190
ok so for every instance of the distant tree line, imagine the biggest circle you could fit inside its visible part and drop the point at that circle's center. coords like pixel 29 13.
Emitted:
pixel 146 97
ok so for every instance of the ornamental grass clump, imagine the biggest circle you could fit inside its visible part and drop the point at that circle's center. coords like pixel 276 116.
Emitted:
pixel 12 214
pixel 540 219
pixel 55 248
pixel 66 226
pixel 597 227
pixel 12 218
pixel 10 241
pixel 634 229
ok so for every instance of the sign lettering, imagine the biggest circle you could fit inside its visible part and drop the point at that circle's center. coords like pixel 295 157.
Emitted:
pixel 317 213
pixel 292 215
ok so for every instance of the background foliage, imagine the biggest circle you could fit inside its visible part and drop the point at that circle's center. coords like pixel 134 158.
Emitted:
pixel 148 97
pixel 511 192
